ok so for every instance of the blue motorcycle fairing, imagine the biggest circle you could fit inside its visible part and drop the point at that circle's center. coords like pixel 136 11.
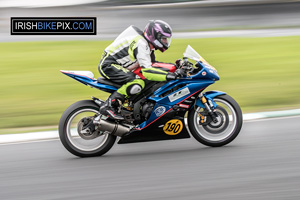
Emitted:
pixel 158 111
pixel 91 82
pixel 210 95
pixel 188 87
pixel 206 72
pixel 165 104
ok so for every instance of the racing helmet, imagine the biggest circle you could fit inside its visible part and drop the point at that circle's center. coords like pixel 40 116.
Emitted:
pixel 159 34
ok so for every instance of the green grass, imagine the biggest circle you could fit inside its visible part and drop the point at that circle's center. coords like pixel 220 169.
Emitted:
pixel 260 73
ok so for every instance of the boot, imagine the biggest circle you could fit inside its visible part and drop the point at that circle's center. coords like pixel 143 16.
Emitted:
pixel 111 106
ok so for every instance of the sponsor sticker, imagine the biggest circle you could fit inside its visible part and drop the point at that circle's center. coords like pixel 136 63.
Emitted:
pixel 173 127
pixel 179 94
pixel 184 106
pixel 203 73
pixel 159 111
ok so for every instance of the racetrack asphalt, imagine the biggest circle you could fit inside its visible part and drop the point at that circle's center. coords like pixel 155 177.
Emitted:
pixel 262 163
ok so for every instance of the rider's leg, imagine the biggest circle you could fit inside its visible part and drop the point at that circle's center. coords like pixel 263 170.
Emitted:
pixel 131 86
pixel 117 98
pixel 116 73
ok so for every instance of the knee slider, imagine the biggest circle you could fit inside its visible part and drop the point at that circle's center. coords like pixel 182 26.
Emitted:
pixel 133 89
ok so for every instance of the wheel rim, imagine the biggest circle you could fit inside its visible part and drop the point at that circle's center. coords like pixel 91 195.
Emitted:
pixel 222 132
pixel 74 137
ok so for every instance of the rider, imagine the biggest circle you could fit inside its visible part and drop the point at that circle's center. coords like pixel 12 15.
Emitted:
pixel 131 49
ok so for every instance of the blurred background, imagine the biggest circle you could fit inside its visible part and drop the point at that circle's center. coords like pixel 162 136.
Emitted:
pixel 254 44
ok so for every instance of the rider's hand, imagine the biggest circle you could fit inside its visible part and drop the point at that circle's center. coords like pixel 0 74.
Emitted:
pixel 176 75
pixel 172 76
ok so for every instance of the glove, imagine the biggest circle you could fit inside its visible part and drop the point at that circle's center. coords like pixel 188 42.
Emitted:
pixel 177 74
pixel 172 76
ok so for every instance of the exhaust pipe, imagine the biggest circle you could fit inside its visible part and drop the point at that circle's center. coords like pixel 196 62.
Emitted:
pixel 112 127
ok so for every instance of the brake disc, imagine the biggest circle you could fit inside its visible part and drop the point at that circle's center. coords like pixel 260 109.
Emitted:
pixel 87 129
pixel 221 125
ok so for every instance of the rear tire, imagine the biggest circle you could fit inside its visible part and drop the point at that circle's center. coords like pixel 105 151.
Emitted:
pixel 221 133
pixel 74 141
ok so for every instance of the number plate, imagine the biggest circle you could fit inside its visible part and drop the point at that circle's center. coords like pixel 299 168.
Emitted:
pixel 173 127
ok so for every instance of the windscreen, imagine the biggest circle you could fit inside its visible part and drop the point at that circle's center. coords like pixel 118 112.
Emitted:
pixel 191 53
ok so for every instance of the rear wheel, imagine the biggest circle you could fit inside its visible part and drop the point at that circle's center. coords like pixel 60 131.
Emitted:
pixel 78 133
pixel 228 125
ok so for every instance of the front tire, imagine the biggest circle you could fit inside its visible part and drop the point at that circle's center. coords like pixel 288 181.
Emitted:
pixel 230 120
pixel 85 143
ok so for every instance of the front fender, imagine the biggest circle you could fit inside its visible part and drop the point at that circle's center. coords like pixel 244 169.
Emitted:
pixel 210 95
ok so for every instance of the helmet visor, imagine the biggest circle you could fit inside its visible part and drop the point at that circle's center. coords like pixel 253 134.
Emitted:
pixel 166 41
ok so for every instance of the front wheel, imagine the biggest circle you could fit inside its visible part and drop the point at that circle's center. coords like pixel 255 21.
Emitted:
pixel 222 132
pixel 78 133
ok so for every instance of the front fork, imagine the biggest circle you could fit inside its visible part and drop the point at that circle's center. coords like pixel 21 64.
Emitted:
pixel 209 108
pixel 206 101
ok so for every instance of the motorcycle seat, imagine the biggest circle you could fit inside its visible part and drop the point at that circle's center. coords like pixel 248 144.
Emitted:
pixel 107 82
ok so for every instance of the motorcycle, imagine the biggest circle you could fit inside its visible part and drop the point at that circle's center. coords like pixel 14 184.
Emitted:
pixel 162 111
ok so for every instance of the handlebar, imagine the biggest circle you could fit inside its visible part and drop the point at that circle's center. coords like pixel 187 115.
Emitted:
pixel 184 65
